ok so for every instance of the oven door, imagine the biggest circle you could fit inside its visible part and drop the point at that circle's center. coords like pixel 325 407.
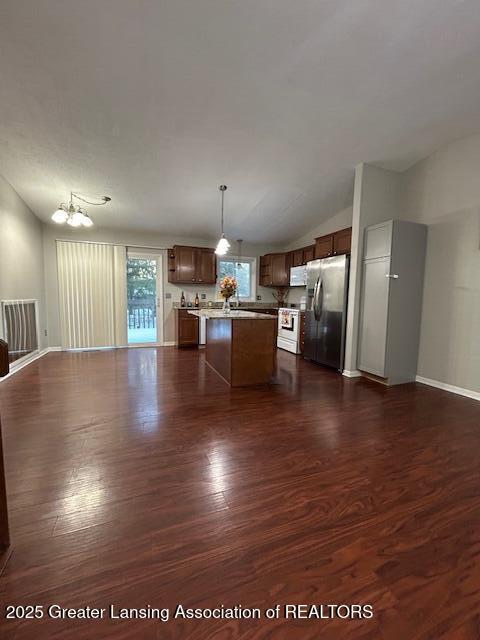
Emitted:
pixel 288 324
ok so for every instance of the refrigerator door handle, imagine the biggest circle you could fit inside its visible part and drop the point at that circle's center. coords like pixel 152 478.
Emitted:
pixel 318 299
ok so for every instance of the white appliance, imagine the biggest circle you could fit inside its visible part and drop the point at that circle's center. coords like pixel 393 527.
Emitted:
pixel 298 276
pixel 288 336
pixel 202 338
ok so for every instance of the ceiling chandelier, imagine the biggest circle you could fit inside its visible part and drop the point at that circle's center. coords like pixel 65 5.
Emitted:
pixel 73 214
pixel 223 244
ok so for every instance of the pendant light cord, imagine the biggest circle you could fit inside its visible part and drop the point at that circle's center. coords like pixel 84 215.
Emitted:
pixel 222 188
pixel 104 199
pixel 223 195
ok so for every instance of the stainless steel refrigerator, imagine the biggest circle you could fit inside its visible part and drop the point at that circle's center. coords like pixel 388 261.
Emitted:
pixel 326 312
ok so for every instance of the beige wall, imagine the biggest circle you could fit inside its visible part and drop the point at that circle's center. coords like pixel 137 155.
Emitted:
pixel 21 254
pixel 336 222
pixel 133 239
pixel 375 199
pixel 443 191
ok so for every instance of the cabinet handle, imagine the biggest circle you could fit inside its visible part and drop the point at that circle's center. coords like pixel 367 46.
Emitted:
pixel 393 276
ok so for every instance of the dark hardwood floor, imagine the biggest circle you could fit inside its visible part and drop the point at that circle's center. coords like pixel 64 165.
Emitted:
pixel 139 477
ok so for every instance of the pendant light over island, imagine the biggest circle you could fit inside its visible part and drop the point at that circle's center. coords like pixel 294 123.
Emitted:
pixel 223 244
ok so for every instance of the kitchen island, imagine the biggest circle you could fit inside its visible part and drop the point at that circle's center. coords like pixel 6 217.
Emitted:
pixel 241 345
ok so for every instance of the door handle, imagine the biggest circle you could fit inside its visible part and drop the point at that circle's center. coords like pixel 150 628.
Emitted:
pixel 393 276
pixel 317 308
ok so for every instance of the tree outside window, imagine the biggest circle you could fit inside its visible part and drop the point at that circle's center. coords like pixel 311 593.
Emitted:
pixel 241 270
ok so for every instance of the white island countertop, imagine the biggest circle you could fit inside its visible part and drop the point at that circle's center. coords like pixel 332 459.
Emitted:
pixel 234 314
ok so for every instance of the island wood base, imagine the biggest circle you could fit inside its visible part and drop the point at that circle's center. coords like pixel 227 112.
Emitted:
pixel 242 351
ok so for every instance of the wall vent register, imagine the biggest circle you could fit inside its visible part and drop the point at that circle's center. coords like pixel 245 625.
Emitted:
pixel 20 328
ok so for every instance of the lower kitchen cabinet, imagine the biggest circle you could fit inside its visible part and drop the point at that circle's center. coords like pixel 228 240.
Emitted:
pixel 186 328
pixel 302 331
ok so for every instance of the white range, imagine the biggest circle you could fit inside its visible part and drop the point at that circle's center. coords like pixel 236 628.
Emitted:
pixel 288 337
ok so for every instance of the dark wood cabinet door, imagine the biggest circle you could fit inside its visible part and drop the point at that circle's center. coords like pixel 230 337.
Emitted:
pixel 279 270
pixel 185 264
pixel 172 274
pixel 302 332
pixel 324 247
pixel 308 254
pixel 187 329
pixel 342 241
pixel 297 260
pixel 206 266
pixel 266 271
pixel 289 262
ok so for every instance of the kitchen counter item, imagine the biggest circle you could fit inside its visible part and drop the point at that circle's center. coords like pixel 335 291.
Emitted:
pixel 234 313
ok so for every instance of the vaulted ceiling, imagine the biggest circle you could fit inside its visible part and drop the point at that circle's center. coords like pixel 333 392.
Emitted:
pixel 157 102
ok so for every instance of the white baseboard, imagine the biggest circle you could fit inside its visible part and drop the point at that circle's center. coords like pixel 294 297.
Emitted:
pixel 169 344
pixel 15 368
pixel 468 393
pixel 351 374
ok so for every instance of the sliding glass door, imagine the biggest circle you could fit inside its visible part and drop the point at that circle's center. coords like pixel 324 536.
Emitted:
pixel 144 296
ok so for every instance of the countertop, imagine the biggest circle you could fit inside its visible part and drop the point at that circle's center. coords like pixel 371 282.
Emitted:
pixel 233 315
pixel 217 306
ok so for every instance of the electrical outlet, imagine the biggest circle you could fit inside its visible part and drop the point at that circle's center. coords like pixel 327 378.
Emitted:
pixel 203 296
pixel 168 296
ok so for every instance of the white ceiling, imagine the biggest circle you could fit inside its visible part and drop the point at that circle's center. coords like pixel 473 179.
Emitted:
pixel 157 102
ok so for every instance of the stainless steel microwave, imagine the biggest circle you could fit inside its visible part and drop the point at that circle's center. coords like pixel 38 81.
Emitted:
pixel 298 276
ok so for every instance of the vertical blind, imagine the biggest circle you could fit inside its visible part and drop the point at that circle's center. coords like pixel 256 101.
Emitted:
pixel 92 294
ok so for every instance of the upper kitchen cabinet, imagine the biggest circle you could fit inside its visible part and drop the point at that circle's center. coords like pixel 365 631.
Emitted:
pixel 265 271
pixel 191 265
pixel 274 270
pixel 334 244
pixel 275 267
pixel 308 253
pixel 324 246
pixel 297 258
pixel 207 266
pixel 342 242
pixel 280 272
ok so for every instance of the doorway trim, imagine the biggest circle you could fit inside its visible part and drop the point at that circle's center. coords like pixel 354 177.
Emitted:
pixel 151 254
